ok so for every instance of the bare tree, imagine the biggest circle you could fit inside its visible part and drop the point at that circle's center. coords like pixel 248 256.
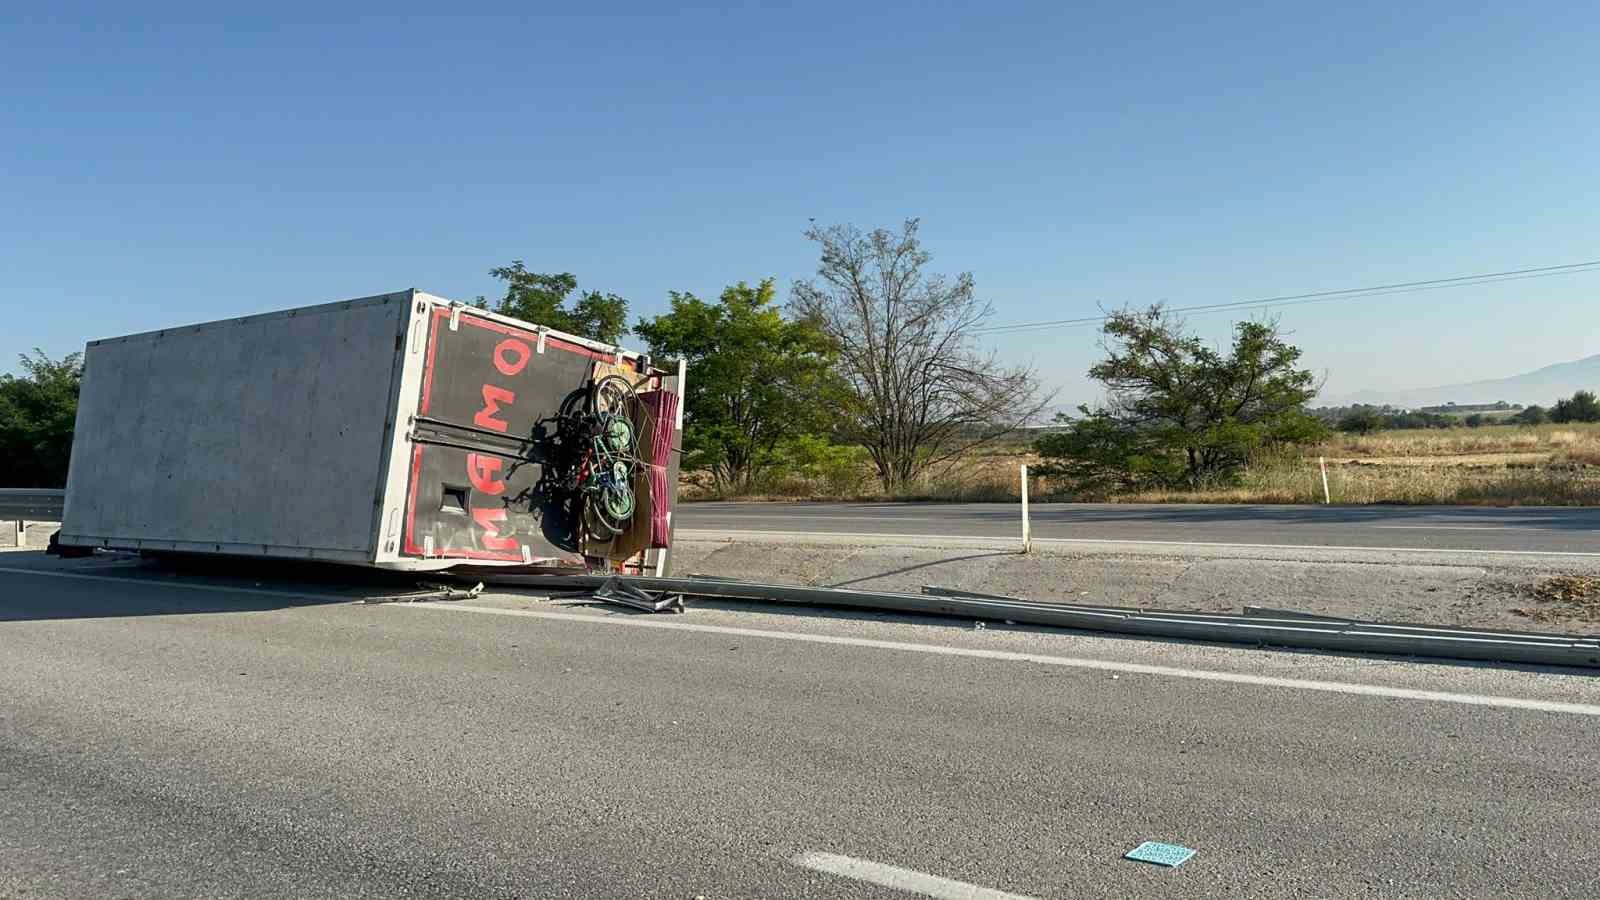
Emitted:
pixel 922 392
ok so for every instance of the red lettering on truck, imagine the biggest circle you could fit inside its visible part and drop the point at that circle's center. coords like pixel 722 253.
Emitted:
pixel 481 470
pixel 511 355
pixel 492 539
pixel 492 398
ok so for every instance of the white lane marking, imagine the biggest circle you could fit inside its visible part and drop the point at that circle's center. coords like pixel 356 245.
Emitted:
pixel 1330 687
pixel 896 878
pixel 707 533
pixel 182 585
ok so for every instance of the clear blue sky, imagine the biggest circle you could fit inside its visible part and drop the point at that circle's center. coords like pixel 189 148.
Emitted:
pixel 164 164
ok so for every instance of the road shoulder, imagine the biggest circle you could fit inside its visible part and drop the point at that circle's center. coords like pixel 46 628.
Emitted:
pixel 1455 588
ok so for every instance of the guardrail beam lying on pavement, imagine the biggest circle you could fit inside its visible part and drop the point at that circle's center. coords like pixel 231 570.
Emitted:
pixel 1351 636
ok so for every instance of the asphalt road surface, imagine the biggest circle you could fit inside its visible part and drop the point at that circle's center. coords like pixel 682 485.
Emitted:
pixel 1524 529
pixel 180 735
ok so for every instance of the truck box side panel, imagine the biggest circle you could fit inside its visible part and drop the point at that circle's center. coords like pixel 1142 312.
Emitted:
pixel 263 435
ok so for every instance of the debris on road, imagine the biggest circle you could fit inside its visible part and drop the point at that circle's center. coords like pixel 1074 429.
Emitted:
pixel 614 591
pixel 429 593
pixel 1157 853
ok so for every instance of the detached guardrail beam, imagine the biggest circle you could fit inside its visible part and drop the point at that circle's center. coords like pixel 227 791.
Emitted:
pixel 1348 636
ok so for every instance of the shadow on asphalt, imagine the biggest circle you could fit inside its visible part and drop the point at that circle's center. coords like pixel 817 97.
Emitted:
pixel 160 587
pixel 927 565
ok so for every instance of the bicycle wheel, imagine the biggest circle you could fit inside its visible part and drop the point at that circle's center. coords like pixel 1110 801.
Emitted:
pixel 612 394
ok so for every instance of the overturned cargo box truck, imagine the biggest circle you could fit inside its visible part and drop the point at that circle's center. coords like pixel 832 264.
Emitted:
pixel 401 431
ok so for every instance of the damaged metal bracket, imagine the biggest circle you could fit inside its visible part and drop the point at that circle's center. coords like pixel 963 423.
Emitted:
pixel 429 593
pixel 613 590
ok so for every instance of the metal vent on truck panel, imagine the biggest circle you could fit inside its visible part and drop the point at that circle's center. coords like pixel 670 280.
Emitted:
pixel 453 499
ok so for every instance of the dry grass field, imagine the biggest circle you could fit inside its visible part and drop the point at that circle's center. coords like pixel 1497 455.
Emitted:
pixel 1546 465
pixel 1501 465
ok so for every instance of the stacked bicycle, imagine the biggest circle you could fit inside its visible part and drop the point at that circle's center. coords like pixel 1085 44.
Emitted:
pixel 598 428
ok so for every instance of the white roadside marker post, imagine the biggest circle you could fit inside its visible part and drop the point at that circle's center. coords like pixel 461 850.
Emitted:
pixel 1327 499
pixel 1027 536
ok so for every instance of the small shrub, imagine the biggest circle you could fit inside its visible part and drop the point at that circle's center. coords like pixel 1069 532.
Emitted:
pixel 832 469
pixel 1533 415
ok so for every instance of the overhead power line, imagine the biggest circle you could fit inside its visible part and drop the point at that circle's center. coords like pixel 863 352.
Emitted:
pixel 1379 290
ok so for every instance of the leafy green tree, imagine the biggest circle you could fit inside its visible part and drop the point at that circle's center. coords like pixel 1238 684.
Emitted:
pixel 1476 420
pixel 1580 407
pixel 37 412
pixel 756 379
pixel 542 298
pixel 1180 412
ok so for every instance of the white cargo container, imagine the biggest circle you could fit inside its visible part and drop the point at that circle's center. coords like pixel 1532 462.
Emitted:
pixel 401 431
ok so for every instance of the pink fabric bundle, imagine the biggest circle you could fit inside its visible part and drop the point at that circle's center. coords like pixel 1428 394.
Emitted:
pixel 663 408
pixel 660 505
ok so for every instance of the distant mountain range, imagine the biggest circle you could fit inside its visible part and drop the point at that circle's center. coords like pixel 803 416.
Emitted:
pixel 1542 386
